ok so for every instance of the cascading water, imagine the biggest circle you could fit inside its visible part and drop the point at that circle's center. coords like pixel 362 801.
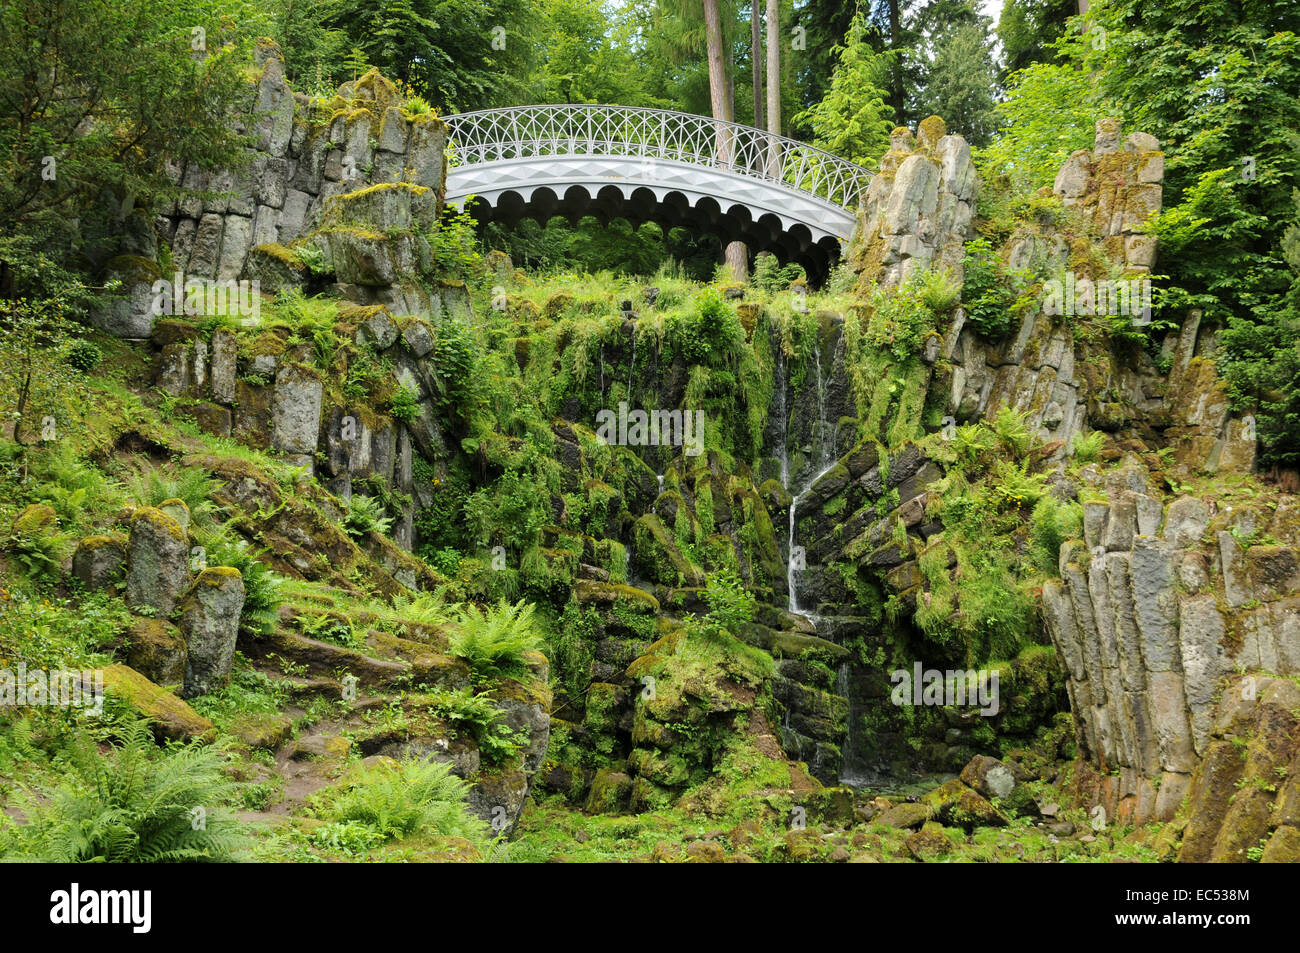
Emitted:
pixel 853 771
pixel 825 459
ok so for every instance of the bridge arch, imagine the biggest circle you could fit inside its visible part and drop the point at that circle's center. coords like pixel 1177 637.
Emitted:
pixel 679 170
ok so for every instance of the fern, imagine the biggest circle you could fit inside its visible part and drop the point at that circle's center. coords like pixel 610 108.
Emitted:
pixel 190 485
pixel 493 641
pixel 134 804
pixel 262 586
pixel 395 801
pixel 365 514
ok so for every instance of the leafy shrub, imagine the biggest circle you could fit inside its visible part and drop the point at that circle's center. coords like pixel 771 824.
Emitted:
pixel 84 355
pixel 405 405
pixel 1053 523
pixel 900 319
pixel 388 802
pixel 769 275
pixel 365 514
pixel 712 330
pixel 730 603
pixel 135 803
pixel 493 641
pixel 985 295
pixel 455 244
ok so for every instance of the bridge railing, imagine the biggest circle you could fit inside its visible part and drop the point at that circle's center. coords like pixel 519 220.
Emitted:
pixel 517 132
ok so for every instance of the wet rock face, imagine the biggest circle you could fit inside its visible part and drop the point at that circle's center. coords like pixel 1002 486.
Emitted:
pixel 1148 626
pixel 158 553
pixel 209 620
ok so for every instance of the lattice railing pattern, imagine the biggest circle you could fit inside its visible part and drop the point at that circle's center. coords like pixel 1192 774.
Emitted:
pixel 489 135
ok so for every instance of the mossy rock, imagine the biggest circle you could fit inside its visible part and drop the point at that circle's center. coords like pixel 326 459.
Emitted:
pixel 905 816
pixel 35 520
pixel 171 717
pixel 929 843
pixel 275 268
pixel 261 731
pixel 959 806
pixel 99 560
pixel 590 591
pixel 610 792
pixel 657 553
pixel 157 650
pixel 133 269
pixel 664 768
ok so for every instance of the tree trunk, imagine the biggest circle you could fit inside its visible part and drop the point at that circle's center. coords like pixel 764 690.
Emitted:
pixel 736 254
pixel 774 82
pixel 756 58
pixel 895 44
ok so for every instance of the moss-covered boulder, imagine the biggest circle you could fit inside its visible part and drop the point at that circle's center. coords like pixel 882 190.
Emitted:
pixel 610 791
pixel 658 555
pixel 157 650
pixel 35 520
pixel 959 806
pixel 209 619
pixel 99 560
pixel 905 816
pixel 929 843
pixel 158 556
pixel 172 718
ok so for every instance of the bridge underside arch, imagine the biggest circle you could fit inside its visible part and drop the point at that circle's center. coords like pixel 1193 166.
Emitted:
pixel 706 201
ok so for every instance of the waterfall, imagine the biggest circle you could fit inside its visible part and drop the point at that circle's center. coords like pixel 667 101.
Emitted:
pixel 853 771
pixel 825 458
pixel 660 478
pixel 792 601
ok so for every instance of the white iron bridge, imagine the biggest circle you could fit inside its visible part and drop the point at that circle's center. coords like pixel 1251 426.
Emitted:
pixel 711 177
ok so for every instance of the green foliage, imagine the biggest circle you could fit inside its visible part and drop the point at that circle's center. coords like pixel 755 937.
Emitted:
pixel 388 802
pixel 455 245
pixel 852 120
pixel 191 485
pixel 770 276
pixel 493 641
pixel 405 405
pixel 84 355
pixel 1085 449
pixel 730 603
pixel 900 318
pixel 987 300
pixel 1054 522
pixel 951 68
pixel 262 586
pixel 40 392
pixel 132 803
pixel 1050 110
pixel 366 514
pixel 939 292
